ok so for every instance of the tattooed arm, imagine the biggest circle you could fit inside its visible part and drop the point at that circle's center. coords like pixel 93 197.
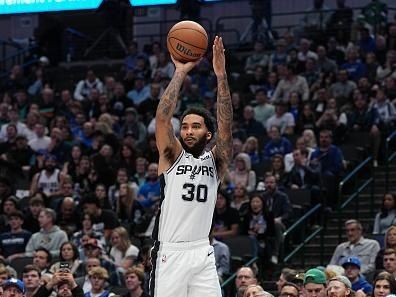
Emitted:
pixel 223 148
pixel 168 145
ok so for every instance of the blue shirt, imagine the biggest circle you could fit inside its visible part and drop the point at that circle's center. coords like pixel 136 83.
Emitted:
pixel 356 69
pixel 330 160
pixel 282 147
pixel 149 190
pixel 362 284
pixel 14 243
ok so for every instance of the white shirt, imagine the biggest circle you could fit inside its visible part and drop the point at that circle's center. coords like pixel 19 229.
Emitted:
pixel 132 251
pixel 41 143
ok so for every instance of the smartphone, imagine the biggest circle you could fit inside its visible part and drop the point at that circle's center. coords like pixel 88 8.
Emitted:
pixel 64 267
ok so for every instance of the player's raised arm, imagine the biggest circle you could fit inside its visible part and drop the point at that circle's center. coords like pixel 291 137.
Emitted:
pixel 223 148
pixel 168 145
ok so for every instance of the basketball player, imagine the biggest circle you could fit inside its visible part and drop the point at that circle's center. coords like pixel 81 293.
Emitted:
pixel 183 263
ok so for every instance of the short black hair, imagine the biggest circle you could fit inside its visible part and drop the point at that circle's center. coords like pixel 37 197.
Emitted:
pixel 208 118
pixel 49 256
pixel 90 199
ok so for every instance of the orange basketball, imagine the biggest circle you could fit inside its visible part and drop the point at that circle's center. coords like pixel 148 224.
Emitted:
pixel 187 41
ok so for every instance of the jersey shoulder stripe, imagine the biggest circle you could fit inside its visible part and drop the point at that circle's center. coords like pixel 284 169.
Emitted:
pixel 175 163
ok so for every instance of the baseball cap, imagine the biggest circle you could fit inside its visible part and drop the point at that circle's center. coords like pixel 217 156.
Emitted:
pixel 314 276
pixel 352 261
pixel 93 242
pixel 342 279
pixel 14 282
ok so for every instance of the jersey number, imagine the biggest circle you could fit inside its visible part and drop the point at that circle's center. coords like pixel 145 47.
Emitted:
pixel 200 192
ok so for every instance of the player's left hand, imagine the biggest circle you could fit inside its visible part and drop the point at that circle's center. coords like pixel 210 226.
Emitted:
pixel 218 56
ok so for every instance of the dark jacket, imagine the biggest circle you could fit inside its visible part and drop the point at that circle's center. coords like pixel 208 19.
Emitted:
pixel 279 204
pixel 44 292
pixel 310 179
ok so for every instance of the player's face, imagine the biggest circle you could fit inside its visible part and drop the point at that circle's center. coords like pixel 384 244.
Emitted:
pixel 194 134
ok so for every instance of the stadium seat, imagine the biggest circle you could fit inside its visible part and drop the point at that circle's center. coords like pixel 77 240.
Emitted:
pixel 19 263
pixel 299 197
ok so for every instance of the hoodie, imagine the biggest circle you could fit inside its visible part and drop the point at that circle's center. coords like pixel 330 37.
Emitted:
pixel 50 240
pixel 362 284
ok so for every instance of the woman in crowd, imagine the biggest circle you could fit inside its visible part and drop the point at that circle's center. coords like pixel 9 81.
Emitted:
pixel 69 253
pixel 251 147
pixel 309 139
pixel 225 218
pixel 240 200
pixel 242 174
pixel 278 170
pixel 306 119
pixel 70 167
pixel 88 229
pixel 122 250
pixel 389 243
pixel 128 209
pixel 386 217
pixel 384 284
pixel 259 224
pixel 255 291
pixel 101 195
pixel 127 159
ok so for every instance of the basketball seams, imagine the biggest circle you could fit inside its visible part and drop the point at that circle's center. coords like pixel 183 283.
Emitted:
pixel 192 29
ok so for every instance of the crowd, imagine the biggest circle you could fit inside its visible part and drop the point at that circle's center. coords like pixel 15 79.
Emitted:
pixel 90 156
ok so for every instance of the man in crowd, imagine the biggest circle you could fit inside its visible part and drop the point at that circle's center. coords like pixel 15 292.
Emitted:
pixel 352 272
pixel 42 259
pixel 289 290
pixel 13 288
pixel 134 282
pixel 314 283
pixel 287 276
pixel 339 286
pixel 84 281
pixel 32 279
pixel 365 249
pixel 389 261
pixel 245 277
pixel 63 283
pixel 50 236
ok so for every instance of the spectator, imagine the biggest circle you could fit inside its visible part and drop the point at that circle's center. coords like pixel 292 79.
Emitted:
pixel 40 141
pixel 148 107
pixel 134 282
pixel 134 125
pixel 279 56
pixel 304 149
pixel 365 119
pixel 104 219
pixel 333 119
pixel 287 275
pixel 42 258
pixel 245 277
pixel 256 290
pixel 365 249
pixel 324 64
pixel 282 119
pixel 314 283
pixel 84 281
pixel 13 288
pixel 289 289
pixel 13 243
pixel 251 147
pixel 340 285
pixel 291 83
pixel 242 173
pixel 278 170
pixel 384 284
pixel 387 215
pixel 389 261
pixel 279 205
pixel 98 277
pixel 257 58
pixel 84 87
pixel 9 205
pixel 389 243
pixel 64 285
pixel 225 218
pixel 140 92
pixel 305 53
pixel 301 176
pixel 240 200
pixel 67 218
pixel 352 272
pixel 13 120
pixel 222 257
pixel 389 69
pixel 87 229
pixel 31 277
pixel 386 111
pixel 165 67
pixel 343 88
pixel 249 123
pixel 50 236
pixel 355 68
pixel 122 251
pixel 149 192
pixel 68 253
pixel 105 165
pixel 263 110
pixel 277 145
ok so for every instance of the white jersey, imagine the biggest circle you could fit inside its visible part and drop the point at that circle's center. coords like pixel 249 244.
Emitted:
pixel 49 184
pixel 188 197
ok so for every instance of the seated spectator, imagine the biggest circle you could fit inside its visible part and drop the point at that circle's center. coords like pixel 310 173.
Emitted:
pixel 132 124
pixel 386 217
pixel 291 83
pixel 128 209
pixel 104 219
pixel 149 192
pixel 309 139
pixel 225 217
pixel 114 190
pixel 255 290
pixel 242 173
pixel 352 272
pixel 84 87
pixel 84 281
pixel 333 119
pixel 249 123
pixel 140 91
pixel 343 88
pixel 240 200
pixel 278 170
pixel 311 73
pixel 50 236
pixel 122 251
pixel 67 218
pixel 127 159
pixel 13 243
pixel 365 249
pixel 324 64
pixel 222 257
pixel 279 56
pixel 355 68
pixel 42 258
pixel 304 149
pixel 365 119
pixel 277 145
pixel 165 67
pixel 258 223
pixel 31 277
pixel 257 58
pixel 306 118
pixel 278 204
pixel 389 243
pixel 389 261
pixel 282 119
pixel 314 283
pixel 301 176
pixel 250 147
pixel 69 253
pixel 101 196
pixel 87 229
pixel 287 275
pixel 98 277
pixel 245 276
pixel 134 279
pixel 387 70
pixel 384 284
pixel 8 206
pixel 263 109
pixel 386 111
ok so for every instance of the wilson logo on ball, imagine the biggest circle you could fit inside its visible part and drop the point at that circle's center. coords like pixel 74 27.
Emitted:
pixel 187 51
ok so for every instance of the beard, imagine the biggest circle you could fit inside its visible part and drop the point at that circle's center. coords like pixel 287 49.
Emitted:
pixel 50 168
pixel 197 149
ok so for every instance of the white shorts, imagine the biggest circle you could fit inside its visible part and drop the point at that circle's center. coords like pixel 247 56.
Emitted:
pixel 185 269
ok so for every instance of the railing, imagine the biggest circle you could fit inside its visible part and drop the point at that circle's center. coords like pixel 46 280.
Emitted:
pixel 230 280
pixel 302 223
pixel 353 176
pixel 389 158
pixel 12 54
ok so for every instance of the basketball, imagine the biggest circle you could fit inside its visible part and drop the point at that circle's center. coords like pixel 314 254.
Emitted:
pixel 187 41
